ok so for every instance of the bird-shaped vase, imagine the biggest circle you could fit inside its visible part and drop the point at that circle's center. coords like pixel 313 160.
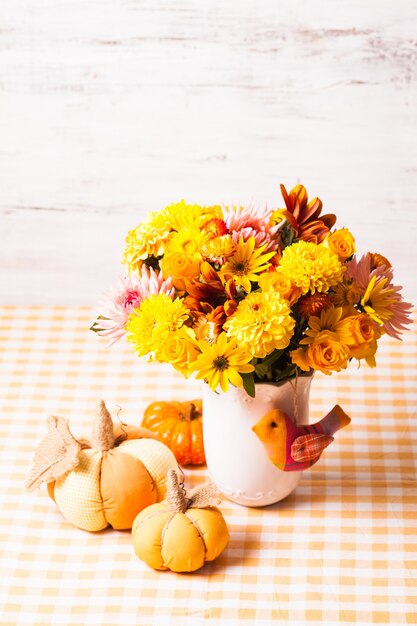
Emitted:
pixel 237 461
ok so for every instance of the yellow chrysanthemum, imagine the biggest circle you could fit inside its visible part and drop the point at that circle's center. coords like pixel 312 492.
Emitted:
pixel 222 362
pixel 182 215
pixel 246 263
pixel 149 327
pixel 261 323
pixel 150 236
pixel 187 240
pixel 312 267
pixel 146 240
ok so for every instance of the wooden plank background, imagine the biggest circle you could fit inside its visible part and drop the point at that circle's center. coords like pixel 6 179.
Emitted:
pixel 112 108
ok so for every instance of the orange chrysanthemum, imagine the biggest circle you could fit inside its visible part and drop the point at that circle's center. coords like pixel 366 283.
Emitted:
pixel 314 303
pixel 209 327
pixel 215 228
pixel 346 293
pixel 378 260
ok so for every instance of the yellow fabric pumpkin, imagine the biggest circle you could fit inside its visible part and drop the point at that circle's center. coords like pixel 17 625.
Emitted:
pixel 106 481
pixel 180 533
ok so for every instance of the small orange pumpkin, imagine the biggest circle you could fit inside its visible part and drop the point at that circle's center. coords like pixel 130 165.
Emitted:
pixel 182 532
pixel 180 426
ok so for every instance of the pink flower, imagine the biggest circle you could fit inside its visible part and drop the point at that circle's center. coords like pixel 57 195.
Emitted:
pixel 361 272
pixel 254 222
pixel 381 300
pixel 128 297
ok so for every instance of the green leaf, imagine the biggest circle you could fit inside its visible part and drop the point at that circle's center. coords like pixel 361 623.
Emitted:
pixel 263 367
pixel 249 384
pixel 96 326
pixel 274 356
pixel 287 373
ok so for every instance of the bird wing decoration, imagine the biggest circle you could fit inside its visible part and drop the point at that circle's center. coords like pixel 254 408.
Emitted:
pixel 56 454
pixel 309 447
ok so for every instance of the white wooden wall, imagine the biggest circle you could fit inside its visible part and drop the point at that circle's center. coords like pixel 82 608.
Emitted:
pixel 111 108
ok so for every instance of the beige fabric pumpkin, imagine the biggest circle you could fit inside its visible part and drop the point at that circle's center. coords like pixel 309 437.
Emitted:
pixel 181 533
pixel 106 481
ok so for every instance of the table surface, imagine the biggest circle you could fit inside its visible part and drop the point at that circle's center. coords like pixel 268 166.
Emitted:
pixel 342 549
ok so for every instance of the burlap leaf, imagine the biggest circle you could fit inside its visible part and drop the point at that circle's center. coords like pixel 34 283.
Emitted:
pixel 202 496
pixel 56 454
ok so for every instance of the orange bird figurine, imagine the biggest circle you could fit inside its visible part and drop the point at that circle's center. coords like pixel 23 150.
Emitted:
pixel 294 448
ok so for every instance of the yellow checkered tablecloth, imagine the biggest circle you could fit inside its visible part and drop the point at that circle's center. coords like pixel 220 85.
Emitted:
pixel 342 549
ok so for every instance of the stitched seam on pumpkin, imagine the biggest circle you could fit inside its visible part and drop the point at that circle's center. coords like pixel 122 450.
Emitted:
pixel 165 527
pixel 148 517
pixel 197 527
pixel 125 451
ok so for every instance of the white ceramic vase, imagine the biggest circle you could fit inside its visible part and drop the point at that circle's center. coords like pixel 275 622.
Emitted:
pixel 237 461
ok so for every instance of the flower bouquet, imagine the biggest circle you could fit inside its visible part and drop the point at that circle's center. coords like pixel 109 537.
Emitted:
pixel 243 295
pixel 252 301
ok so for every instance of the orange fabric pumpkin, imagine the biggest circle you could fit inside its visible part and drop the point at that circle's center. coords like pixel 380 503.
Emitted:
pixel 105 481
pixel 182 532
pixel 180 426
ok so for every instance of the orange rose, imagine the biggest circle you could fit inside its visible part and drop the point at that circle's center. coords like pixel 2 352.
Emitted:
pixel 360 334
pixel 181 266
pixel 179 349
pixel 342 243
pixel 276 281
pixel 363 329
pixel 327 354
